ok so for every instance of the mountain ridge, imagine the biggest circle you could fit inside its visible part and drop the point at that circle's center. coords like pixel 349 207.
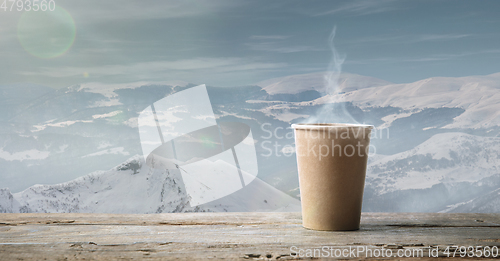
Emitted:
pixel 71 132
pixel 133 187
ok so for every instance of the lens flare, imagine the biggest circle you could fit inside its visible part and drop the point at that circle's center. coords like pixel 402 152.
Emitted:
pixel 119 118
pixel 46 34
pixel 208 142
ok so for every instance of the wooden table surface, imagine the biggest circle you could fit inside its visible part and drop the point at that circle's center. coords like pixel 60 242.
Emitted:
pixel 192 236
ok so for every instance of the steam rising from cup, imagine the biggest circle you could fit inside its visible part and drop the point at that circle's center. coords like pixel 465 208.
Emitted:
pixel 334 68
pixel 332 111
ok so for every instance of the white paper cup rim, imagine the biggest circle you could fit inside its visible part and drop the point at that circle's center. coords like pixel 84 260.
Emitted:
pixel 330 125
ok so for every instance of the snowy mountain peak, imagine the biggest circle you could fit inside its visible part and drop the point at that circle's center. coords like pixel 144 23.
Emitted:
pixel 7 202
pixel 477 95
pixel 133 187
pixel 442 159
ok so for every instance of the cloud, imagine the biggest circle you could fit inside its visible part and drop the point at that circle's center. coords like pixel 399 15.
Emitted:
pixel 442 57
pixel 269 37
pixel 362 7
pixel 146 69
pixel 116 10
pixel 440 37
pixel 277 44
pixel 404 39
pixel 278 48
pixel 430 58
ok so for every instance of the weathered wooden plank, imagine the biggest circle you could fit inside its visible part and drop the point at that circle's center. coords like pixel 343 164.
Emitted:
pixel 228 235
pixel 411 219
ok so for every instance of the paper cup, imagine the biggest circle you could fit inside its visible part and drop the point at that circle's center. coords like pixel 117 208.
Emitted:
pixel 331 160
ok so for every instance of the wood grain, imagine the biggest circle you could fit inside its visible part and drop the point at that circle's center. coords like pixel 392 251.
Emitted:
pixel 189 236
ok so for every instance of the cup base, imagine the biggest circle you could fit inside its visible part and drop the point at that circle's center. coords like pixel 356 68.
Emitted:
pixel 330 229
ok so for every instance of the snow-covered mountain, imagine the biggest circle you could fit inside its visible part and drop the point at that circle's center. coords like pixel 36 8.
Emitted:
pixel 446 169
pixel 70 132
pixel 479 96
pixel 435 139
pixel 300 83
pixel 133 187
pixel 488 203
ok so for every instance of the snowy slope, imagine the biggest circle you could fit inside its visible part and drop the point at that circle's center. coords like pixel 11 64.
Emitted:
pixel 316 81
pixel 67 133
pixel 109 91
pixel 133 187
pixel 446 157
pixel 13 96
pixel 446 169
pixel 426 164
pixel 478 95
pixel 488 203
pixel 7 202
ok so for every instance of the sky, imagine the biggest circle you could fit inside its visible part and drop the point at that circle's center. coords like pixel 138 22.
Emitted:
pixel 234 43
